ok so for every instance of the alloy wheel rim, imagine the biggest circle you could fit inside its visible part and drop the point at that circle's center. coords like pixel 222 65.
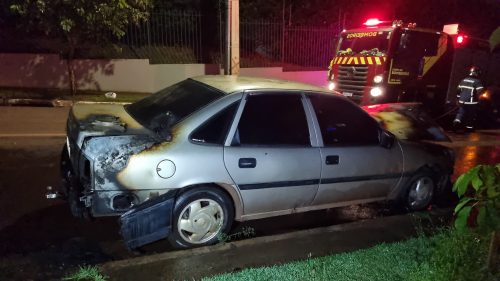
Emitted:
pixel 200 221
pixel 421 192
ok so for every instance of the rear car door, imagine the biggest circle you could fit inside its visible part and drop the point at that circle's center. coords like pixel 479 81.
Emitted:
pixel 355 167
pixel 270 156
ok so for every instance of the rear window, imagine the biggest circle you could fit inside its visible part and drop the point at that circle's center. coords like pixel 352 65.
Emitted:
pixel 178 101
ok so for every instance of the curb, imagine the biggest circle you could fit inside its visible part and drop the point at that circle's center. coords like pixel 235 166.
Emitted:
pixel 37 102
pixel 262 251
pixel 50 103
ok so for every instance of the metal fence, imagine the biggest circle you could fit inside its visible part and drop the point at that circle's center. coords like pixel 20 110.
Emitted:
pixel 294 48
pixel 307 47
pixel 260 44
pixel 167 38
pixel 178 38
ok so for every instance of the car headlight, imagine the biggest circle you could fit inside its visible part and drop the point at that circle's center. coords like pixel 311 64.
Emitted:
pixel 376 92
pixel 378 78
pixel 331 86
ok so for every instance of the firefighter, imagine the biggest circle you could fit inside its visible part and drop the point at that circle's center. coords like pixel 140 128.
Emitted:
pixel 468 97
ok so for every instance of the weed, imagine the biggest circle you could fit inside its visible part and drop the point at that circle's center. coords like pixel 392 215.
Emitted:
pixel 246 232
pixel 86 273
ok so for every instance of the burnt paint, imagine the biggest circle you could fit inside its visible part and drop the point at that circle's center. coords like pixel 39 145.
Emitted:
pixel 110 155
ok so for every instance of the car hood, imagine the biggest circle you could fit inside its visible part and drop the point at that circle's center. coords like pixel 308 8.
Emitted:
pixel 407 121
pixel 101 119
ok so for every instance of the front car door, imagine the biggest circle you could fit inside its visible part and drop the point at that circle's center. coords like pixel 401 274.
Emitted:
pixel 355 168
pixel 270 155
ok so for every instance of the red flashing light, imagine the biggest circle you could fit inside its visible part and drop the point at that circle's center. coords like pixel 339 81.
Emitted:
pixel 372 22
pixel 461 39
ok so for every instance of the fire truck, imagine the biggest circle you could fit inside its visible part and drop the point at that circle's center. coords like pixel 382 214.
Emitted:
pixel 393 62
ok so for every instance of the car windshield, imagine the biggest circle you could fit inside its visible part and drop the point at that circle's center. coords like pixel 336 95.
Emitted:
pixel 176 101
pixel 373 43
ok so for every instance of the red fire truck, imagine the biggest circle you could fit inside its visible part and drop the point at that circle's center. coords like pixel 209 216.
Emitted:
pixel 393 62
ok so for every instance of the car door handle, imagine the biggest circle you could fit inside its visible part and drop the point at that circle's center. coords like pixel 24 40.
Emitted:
pixel 247 163
pixel 332 160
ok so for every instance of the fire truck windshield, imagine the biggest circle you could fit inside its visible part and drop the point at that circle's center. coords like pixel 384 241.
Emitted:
pixel 370 43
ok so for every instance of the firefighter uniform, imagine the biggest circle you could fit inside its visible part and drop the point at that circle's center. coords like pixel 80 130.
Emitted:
pixel 468 98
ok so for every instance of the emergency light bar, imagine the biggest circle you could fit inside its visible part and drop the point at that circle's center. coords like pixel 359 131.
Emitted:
pixel 373 22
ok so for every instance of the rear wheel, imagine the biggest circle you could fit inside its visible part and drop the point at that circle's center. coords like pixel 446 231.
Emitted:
pixel 420 191
pixel 200 216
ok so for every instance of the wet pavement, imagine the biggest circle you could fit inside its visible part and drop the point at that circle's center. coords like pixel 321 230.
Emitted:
pixel 41 241
pixel 480 147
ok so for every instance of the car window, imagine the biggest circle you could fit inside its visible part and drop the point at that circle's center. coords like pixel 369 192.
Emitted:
pixel 273 119
pixel 214 130
pixel 179 101
pixel 343 123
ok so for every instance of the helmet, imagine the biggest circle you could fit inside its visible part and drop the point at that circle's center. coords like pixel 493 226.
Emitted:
pixel 475 71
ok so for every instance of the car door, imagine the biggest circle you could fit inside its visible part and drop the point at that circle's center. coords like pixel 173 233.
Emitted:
pixel 355 167
pixel 270 156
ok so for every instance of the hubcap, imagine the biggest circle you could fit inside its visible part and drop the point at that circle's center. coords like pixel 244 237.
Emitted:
pixel 200 221
pixel 421 193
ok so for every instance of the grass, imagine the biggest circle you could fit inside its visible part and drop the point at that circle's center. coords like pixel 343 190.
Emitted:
pixel 445 256
pixel 86 273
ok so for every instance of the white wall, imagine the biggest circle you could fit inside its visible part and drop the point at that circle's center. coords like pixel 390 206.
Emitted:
pixel 134 75
pixel 317 78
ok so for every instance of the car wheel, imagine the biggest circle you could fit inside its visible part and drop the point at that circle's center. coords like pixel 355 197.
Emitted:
pixel 200 216
pixel 420 192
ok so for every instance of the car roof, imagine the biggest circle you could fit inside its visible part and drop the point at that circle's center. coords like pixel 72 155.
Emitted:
pixel 232 83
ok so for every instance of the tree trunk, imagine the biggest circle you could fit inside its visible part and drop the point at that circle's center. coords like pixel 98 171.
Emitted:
pixel 71 71
pixel 493 252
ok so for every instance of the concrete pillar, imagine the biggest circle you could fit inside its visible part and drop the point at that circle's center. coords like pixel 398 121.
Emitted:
pixel 232 56
pixel 235 37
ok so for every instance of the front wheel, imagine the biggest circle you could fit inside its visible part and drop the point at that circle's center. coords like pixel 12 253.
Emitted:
pixel 420 192
pixel 200 216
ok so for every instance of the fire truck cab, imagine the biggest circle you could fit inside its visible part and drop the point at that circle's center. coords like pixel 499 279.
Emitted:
pixel 393 62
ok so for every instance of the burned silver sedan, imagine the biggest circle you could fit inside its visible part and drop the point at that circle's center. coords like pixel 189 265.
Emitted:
pixel 186 162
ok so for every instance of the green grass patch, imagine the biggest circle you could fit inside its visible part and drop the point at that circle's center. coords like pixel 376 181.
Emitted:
pixel 445 256
pixel 86 273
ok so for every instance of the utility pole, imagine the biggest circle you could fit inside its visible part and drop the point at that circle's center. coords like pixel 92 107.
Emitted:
pixel 232 57
pixel 283 35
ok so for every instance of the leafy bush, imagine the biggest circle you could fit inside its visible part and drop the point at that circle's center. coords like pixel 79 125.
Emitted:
pixel 479 193
pixel 457 255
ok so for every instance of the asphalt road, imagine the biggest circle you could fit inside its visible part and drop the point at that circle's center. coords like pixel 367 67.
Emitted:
pixel 40 239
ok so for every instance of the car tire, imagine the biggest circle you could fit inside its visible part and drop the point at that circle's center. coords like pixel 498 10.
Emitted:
pixel 420 191
pixel 200 216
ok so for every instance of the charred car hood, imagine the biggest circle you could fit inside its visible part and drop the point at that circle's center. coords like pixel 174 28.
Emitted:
pixel 89 120
pixel 407 121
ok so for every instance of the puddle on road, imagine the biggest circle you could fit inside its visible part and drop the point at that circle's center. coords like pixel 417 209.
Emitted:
pixel 471 156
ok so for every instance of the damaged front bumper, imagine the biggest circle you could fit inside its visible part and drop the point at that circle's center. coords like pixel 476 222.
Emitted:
pixel 148 222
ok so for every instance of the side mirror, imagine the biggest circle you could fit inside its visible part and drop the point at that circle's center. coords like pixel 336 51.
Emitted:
pixel 386 139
